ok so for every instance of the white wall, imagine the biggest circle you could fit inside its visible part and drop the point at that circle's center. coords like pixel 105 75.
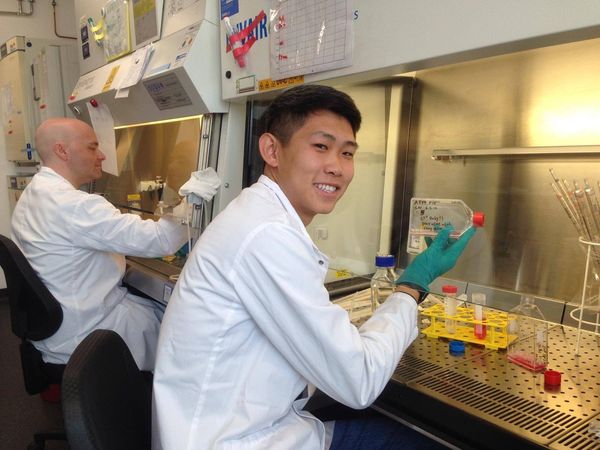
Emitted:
pixel 38 25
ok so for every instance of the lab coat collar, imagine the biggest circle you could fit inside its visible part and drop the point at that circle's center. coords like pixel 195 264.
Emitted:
pixel 274 187
pixel 284 200
pixel 47 171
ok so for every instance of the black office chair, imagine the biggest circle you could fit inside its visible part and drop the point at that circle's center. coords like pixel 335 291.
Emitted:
pixel 106 399
pixel 35 314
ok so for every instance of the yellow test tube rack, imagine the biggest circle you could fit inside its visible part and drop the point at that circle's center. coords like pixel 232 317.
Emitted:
pixel 463 324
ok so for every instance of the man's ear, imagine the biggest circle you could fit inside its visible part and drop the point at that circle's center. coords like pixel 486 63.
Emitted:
pixel 60 150
pixel 269 147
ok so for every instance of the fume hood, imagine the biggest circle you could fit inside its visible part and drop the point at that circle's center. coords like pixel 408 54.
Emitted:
pixel 182 79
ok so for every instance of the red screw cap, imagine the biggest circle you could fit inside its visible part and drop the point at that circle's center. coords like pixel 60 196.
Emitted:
pixel 478 218
pixel 449 289
pixel 94 103
pixel 552 378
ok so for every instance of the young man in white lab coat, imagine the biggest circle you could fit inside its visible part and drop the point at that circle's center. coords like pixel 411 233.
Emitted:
pixel 250 323
pixel 75 241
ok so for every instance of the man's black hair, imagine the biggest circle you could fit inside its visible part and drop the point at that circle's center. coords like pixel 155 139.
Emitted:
pixel 290 109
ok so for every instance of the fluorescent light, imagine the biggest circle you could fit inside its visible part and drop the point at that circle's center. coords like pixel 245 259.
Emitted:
pixel 156 122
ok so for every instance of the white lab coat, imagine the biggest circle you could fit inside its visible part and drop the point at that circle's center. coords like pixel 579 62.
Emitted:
pixel 250 323
pixel 75 241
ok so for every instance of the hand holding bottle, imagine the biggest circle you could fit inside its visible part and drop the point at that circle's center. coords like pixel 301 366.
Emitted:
pixel 440 257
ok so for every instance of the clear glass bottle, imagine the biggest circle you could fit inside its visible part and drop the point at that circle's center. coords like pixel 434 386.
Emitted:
pixel 450 306
pixel 382 283
pixel 429 215
pixel 530 347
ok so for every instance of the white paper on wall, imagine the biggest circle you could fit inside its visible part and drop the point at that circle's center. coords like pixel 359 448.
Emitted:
pixel 104 126
pixel 137 64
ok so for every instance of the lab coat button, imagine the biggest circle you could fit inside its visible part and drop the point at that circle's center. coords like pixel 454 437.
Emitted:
pixel 321 262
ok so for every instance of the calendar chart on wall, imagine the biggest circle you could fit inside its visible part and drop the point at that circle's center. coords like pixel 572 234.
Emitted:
pixel 309 36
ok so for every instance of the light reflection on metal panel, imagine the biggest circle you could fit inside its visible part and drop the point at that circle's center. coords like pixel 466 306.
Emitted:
pixel 543 97
pixel 168 150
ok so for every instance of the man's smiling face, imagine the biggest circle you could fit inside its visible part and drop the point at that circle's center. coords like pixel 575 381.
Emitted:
pixel 316 166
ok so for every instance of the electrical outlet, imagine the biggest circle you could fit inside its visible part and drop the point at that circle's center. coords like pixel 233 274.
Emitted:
pixel 322 233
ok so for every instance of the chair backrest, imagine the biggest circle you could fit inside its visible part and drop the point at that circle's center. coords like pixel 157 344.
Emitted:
pixel 34 315
pixel 34 312
pixel 106 399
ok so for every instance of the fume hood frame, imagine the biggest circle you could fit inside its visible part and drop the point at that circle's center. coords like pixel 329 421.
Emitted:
pixel 450 154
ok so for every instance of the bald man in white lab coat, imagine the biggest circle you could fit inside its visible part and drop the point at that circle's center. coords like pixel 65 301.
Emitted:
pixel 75 241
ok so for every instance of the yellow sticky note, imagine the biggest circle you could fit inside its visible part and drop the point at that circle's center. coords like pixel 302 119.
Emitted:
pixel 111 77
pixel 268 83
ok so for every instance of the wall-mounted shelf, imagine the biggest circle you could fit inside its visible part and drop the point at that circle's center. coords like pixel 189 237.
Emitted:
pixel 449 154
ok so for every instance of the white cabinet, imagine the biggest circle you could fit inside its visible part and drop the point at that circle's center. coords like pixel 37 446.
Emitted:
pixel 36 76
pixel 16 116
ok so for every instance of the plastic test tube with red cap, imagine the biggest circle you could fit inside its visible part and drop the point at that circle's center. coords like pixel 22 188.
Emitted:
pixel 450 305
pixel 479 329
pixel 429 215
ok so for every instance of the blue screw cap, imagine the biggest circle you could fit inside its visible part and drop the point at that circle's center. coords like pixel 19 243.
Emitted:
pixel 456 347
pixel 385 261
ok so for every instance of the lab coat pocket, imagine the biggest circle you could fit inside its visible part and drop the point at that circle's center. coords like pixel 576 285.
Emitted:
pixel 265 438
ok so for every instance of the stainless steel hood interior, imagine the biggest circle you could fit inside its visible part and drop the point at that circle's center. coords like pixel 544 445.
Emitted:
pixel 182 79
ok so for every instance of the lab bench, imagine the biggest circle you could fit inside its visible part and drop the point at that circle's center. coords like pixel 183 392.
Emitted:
pixel 482 401
pixel 156 278
pixel 153 277
pixel 477 400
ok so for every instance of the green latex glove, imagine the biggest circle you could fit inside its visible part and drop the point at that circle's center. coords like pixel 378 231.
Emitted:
pixel 440 257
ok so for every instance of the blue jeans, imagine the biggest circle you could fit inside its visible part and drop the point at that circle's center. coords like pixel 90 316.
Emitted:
pixel 378 433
